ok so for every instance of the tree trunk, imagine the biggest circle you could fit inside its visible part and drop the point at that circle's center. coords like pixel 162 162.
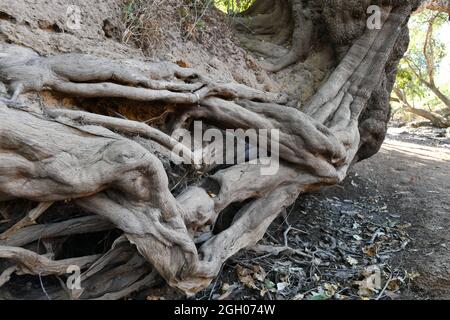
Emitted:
pixel 120 169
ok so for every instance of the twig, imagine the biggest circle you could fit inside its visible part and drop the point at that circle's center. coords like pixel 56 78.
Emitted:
pixel 274 250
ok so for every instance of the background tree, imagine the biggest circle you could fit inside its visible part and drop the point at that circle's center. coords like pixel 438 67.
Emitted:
pixel 418 89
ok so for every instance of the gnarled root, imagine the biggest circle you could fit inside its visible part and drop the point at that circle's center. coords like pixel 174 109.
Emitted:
pixel 88 76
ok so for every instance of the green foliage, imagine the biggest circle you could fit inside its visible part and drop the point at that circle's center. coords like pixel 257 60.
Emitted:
pixel 233 6
pixel 407 81
pixel 129 12
pixel 414 65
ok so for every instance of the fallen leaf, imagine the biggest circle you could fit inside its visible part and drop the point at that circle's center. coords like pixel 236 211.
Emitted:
pixel 341 297
pixel 394 284
pixel 245 277
pixel 281 286
pixel 299 296
pixel 227 290
pixel 263 292
pixel 413 275
pixel 225 287
pixel 404 226
pixel 259 273
pixel 330 289
pixel 248 282
pixel 391 294
pixel 284 278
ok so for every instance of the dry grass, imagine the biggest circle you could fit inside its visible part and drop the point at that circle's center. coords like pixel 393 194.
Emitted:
pixel 143 22
pixel 151 23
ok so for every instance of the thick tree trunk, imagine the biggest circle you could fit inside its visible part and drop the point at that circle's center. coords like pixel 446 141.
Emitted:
pixel 98 162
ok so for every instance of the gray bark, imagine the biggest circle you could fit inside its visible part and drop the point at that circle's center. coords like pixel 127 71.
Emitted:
pixel 57 155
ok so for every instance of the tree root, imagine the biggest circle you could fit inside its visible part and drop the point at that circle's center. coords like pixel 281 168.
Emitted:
pixel 29 219
pixel 93 77
pixel 263 30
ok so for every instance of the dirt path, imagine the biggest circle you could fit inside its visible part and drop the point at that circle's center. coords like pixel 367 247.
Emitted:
pixel 414 180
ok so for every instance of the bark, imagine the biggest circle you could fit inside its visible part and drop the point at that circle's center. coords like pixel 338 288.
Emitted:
pixel 99 163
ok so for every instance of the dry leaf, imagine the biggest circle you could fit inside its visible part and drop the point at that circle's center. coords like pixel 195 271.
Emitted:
pixel 299 296
pixel 183 63
pixel 404 226
pixel 372 282
pixel 245 277
pixel 330 289
pixel 394 284
pixel 281 286
pixel 263 292
pixel 225 287
pixel 352 261
pixel 413 275
pixel 259 273
pixel 371 250
pixel 227 290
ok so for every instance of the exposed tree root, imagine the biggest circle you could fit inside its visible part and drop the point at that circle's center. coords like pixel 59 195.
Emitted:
pixel 28 262
pixel 5 276
pixel 58 155
pixel 93 77
pixel 125 127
